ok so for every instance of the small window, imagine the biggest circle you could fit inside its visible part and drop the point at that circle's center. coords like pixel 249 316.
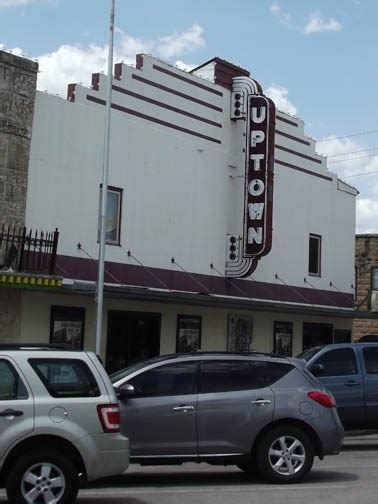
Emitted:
pixel 11 385
pixel 113 216
pixel 374 278
pixel 314 257
pixel 339 362
pixel 371 359
pixel 67 325
pixel 168 380
pixel 66 377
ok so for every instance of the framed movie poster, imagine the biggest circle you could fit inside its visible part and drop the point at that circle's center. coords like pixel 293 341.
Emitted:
pixel 188 336
pixel 283 338
pixel 240 332
pixel 67 325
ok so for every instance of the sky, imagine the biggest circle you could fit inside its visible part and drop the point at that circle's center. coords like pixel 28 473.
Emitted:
pixel 317 59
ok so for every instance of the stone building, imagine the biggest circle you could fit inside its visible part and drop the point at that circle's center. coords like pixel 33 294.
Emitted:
pixel 18 78
pixel 366 286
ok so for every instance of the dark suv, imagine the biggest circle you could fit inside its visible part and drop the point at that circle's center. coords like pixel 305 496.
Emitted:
pixel 257 411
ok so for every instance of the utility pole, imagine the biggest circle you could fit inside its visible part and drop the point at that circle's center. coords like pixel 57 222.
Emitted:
pixel 104 191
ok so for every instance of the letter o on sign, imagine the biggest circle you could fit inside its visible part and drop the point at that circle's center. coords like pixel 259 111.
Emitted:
pixel 256 187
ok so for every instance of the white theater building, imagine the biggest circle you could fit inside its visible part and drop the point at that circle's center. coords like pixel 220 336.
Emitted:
pixel 207 248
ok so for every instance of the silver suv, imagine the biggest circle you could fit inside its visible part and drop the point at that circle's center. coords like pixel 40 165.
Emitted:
pixel 261 412
pixel 59 423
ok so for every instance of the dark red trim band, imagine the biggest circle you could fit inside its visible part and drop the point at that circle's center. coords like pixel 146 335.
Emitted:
pixel 283 119
pixel 138 276
pixel 176 93
pixel 153 119
pixel 299 154
pixel 185 79
pixel 165 106
pixel 303 170
pixel 296 139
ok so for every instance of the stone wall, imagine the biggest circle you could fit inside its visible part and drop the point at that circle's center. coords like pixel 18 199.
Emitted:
pixel 18 78
pixel 366 259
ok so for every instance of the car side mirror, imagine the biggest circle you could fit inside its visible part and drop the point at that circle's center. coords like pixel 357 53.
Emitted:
pixel 317 369
pixel 125 391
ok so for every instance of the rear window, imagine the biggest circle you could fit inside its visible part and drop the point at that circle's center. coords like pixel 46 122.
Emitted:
pixel 268 373
pixel 227 375
pixel 66 377
pixel 371 359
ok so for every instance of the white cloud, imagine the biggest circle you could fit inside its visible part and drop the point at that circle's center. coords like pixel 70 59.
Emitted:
pixel 14 50
pixel 279 95
pixel 317 24
pixel 181 43
pixel 355 169
pixel 283 17
pixel 367 216
pixel 185 66
pixel 76 63
pixel 17 3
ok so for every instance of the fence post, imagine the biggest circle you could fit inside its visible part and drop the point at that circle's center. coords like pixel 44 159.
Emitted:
pixel 53 252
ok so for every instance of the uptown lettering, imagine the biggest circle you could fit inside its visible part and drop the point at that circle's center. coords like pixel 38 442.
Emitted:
pixel 259 177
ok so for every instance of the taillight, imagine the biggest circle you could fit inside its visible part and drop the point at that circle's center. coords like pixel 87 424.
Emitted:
pixel 109 417
pixel 322 398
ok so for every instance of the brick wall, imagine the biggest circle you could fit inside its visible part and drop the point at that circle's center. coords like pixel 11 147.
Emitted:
pixel 366 259
pixel 18 78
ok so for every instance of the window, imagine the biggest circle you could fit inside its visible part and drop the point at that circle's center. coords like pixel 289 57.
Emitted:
pixel 168 380
pixel 339 362
pixel 314 256
pixel 374 278
pixel 66 377
pixel 67 325
pixel 268 373
pixel 11 386
pixel 113 216
pixel 228 376
pixel 371 359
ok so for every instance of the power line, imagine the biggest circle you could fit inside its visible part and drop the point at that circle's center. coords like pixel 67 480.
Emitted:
pixel 350 152
pixel 348 136
pixel 353 158
pixel 360 174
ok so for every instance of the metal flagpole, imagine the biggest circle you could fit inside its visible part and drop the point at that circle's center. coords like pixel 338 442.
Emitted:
pixel 104 192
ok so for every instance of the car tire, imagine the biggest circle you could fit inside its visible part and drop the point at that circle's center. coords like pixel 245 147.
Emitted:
pixel 285 455
pixel 43 476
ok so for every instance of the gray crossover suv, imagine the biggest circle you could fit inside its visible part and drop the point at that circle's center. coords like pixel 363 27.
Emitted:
pixel 59 423
pixel 263 413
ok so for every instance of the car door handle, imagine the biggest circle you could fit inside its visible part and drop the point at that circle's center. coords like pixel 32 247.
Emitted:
pixel 183 408
pixel 352 383
pixel 261 402
pixel 11 413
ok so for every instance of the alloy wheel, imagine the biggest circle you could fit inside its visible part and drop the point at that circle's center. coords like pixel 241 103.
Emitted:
pixel 43 483
pixel 287 455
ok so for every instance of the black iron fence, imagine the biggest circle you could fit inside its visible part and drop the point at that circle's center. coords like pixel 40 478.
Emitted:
pixel 27 251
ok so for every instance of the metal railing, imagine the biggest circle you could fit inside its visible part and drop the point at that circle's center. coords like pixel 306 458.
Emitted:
pixel 27 251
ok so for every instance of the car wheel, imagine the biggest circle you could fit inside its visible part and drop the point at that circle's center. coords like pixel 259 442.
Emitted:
pixel 48 477
pixel 285 455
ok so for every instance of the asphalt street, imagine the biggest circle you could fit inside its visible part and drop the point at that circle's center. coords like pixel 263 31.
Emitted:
pixel 348 478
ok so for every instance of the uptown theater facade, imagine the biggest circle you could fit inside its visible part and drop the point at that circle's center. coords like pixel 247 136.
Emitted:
pixel 225 230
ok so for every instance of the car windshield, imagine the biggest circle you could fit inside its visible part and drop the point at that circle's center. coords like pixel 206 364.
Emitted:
pixel 308 354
